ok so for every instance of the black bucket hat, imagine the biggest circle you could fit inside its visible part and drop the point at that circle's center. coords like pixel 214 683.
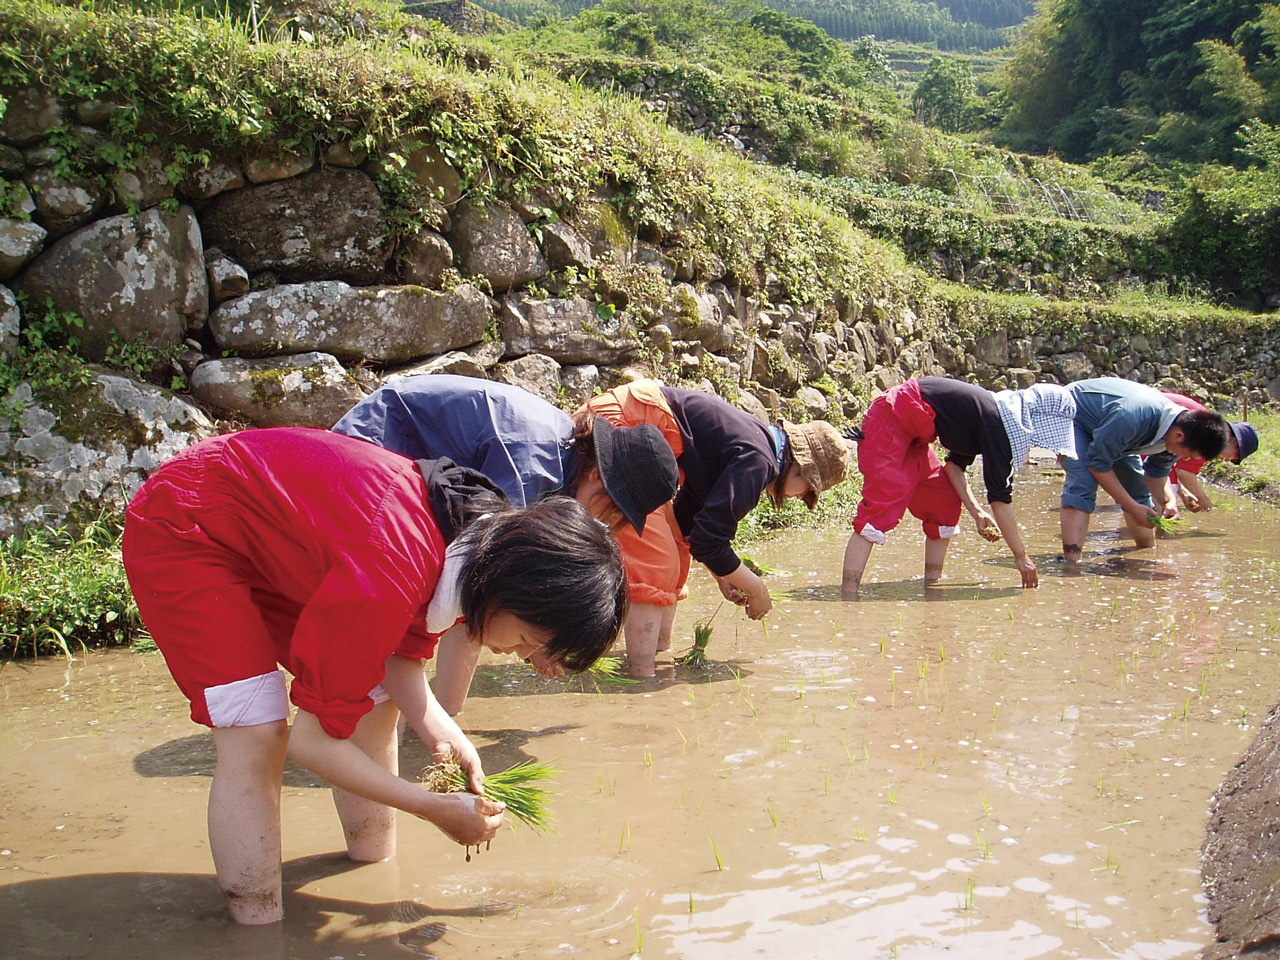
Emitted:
pixel 636 466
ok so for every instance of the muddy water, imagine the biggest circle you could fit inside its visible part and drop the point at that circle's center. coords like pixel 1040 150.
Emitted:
pixel 968 771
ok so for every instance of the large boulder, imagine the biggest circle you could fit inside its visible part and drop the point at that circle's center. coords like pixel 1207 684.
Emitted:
pixel 570 330
pixel 20 242
pixel 493 242
pixel 324 225
pixel 206 182
pixel 88 450
pixel 535 373
pixel 383 324
pixel 146 184
pixel 62 205
pixel 30 115
pixel 136 277
pixel 306 390
pixel 427 258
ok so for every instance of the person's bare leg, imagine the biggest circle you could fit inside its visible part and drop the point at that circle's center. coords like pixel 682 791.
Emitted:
pixel 668 624
pixel 643 629
pixel 856 555
pixel 1142 536
pixel 369 827
pixel 1075 527
pixel 244 819
pixel 935 555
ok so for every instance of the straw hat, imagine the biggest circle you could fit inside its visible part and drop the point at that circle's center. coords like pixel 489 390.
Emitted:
pixel 821 454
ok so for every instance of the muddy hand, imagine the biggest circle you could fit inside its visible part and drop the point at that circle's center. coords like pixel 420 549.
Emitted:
pixel 1030 576
pixel 544 664
pixel 465 755
pixel 469 819
pixel 987 528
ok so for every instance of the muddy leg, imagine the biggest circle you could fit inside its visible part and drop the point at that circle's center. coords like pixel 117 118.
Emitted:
pixel 244 819
pixel 856 554
pixel 369 827
pixel 935 555
pixel 668 624
pixel 643 629
pixel 1075 527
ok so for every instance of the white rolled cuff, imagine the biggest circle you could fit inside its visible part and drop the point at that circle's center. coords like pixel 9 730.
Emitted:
pixel 247 703
pixel 946 533
pixel 872 535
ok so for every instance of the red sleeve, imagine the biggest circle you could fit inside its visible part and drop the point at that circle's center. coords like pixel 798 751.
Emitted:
pixel 358 616
pixel 1189 465
pixel 417 643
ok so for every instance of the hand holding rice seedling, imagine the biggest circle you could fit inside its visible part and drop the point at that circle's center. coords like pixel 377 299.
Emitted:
pixel 516 787
pixel 1165 524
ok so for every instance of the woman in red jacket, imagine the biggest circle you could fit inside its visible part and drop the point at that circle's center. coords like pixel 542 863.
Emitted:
pixel 340 562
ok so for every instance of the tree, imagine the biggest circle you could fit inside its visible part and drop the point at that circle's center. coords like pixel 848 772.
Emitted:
pixel 945 95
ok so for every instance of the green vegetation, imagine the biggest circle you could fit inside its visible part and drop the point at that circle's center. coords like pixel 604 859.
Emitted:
pixel 1091 77
pixel 950 25
pixel 60 594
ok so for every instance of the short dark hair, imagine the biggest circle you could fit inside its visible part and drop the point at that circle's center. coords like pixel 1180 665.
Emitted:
pixel 555 568
pixel 1206 432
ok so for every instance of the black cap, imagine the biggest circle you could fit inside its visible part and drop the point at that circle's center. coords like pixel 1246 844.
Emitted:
pixel 636 466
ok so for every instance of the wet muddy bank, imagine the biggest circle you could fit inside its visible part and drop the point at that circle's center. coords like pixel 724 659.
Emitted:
pixel 1240 860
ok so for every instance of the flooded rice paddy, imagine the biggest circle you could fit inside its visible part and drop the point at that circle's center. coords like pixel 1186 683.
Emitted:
pixel 968 771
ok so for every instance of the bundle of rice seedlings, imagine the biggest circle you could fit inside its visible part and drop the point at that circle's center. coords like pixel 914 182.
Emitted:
pixel 1165 524
pixel 516 787
pixel 696 656
pixel 608 670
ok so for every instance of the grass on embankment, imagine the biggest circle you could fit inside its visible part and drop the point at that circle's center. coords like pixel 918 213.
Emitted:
pixel 61 594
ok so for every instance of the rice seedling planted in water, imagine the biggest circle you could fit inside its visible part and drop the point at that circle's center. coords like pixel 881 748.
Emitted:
pixel 696 656
pixel 516 787
pixel 608 671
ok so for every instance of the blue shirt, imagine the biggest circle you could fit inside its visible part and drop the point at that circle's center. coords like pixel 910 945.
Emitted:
pixel 516 439
pixel 1119 418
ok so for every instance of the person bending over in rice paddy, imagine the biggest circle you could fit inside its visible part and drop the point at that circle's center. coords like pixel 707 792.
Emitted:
pixel 902 472
pixel 530 450
pixel 1117 423
pixel 312 551
pixel 728 459
pixel 1185 475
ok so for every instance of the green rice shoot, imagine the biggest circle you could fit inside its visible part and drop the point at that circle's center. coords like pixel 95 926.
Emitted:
pixel 608 671
pixel 755 566
pixel 1165 524
pixel 517 787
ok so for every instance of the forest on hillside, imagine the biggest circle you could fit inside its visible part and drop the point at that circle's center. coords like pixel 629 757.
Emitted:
pixel 1095 77
pixel 955 25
